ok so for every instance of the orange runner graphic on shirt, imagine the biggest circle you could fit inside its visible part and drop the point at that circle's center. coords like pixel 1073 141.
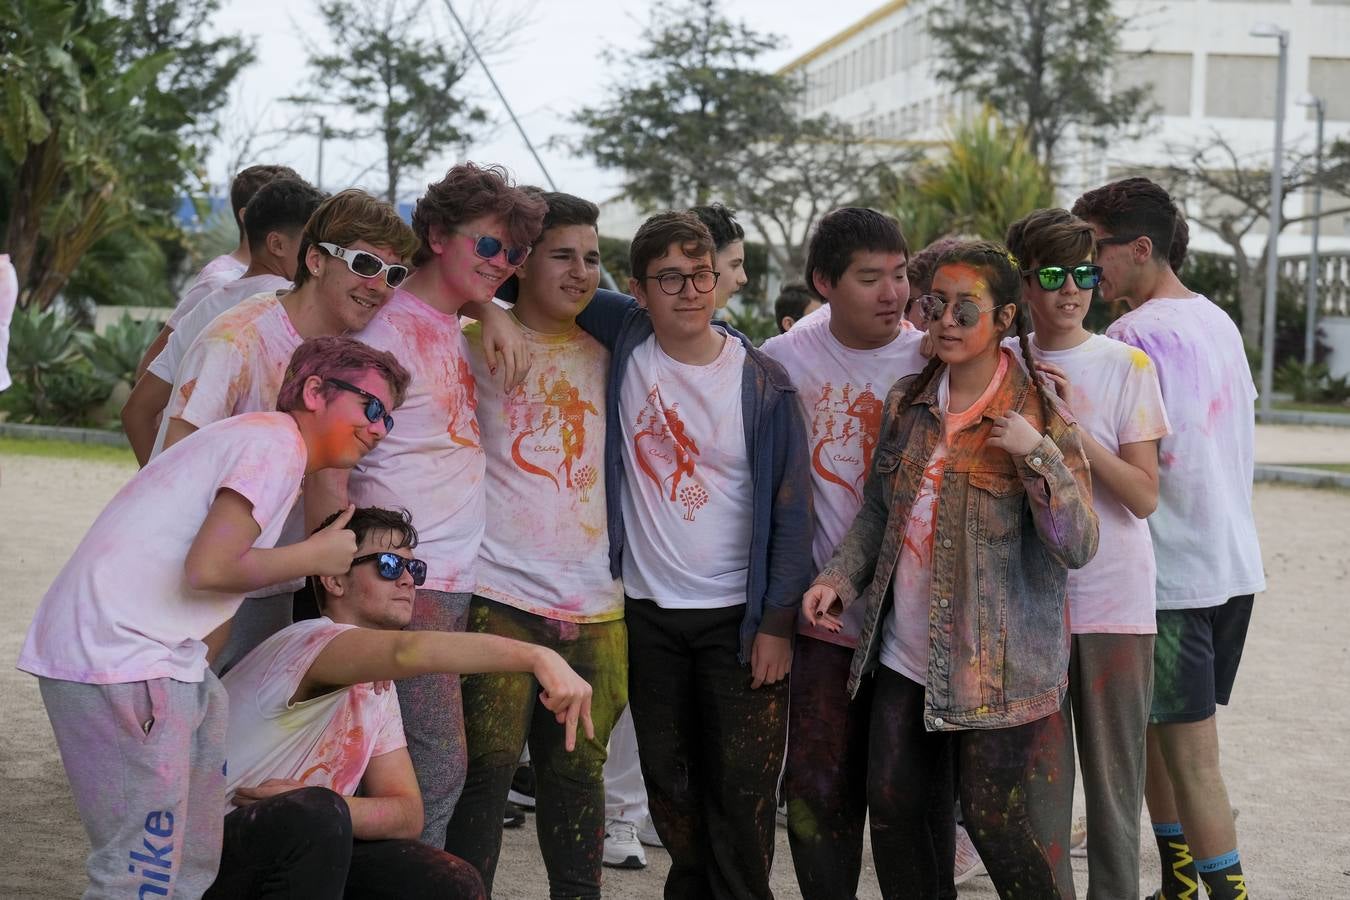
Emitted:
pixel 919 530
pixel 549 428
pixel 667 454
pixel 844 429
pixel 464 404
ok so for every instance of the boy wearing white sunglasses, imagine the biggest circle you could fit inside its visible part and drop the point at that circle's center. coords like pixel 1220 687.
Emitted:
pixel 237 363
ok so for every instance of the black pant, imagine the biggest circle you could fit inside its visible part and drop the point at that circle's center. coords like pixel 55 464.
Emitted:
pixel 300 844
pixel 908 788
pixel 711 748
pixel 826 778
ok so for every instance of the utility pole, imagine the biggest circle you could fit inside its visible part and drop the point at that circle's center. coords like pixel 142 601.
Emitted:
pixel 1310 300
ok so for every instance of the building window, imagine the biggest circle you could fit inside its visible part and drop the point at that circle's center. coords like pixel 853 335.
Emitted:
pixel 1240 87
pixel 1168 76
pixel 1327 78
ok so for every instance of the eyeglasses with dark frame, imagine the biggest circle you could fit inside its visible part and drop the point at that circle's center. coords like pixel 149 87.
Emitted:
pixel 485 246
pixel 367 265
pixel 672 283
pixel 965 315
pixel 1118 239
pixel 375 409
pixel 1051 278
pixel 390 566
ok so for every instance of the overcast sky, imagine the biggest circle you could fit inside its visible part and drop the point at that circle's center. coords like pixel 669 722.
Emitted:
pixel 551 67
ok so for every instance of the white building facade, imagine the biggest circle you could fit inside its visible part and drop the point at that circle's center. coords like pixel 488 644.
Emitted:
pixel 1208 76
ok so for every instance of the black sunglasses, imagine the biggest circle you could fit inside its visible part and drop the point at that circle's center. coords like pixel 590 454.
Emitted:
pixel 390 566
pixel 375 409
pixel 1118 239
pixel 1052 278
pixel 485 246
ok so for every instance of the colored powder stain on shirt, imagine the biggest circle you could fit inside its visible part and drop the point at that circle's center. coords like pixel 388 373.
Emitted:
pixel 1140 359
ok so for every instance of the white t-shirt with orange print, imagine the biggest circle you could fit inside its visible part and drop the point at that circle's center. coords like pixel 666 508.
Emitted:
pixel 326 741
pixel 546 547
pixel 235 365
pixel 226 297
pixel 687 486
pixel 842 392
pixel 432 462
pixel 904 637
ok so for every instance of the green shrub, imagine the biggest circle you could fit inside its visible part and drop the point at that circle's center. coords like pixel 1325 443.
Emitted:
pixel 54 383
pixel 1303 382
pixel 749 321
pixel 116 353
pixel 68 396
pixel 1312 384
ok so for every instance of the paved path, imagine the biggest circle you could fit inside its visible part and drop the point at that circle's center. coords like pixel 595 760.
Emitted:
pixel 1286 739
pixel 1302 444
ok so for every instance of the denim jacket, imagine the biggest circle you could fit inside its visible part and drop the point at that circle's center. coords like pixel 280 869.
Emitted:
pixel 1005 533
pixel 775 439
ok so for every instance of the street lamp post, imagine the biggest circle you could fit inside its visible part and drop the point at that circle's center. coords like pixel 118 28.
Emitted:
pixel 1276 195
pixel 318 175
pixel 1310 300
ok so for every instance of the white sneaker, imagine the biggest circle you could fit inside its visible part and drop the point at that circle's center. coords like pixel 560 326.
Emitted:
pixel 646 832
pixel 622 850
pixel 1078 838
pixel 968 863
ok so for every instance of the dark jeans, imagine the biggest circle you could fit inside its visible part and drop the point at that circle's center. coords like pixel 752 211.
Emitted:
pixel 711 749
pixel 501 711
pixel 826 779
pixel 300 844
pixel 907 789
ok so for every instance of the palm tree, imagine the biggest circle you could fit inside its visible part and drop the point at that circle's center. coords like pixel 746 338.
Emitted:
pixel 983 178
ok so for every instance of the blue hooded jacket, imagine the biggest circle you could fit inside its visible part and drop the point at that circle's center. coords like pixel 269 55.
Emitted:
pixel 775 438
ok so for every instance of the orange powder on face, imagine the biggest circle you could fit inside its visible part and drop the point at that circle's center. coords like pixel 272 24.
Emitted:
pixel 967 278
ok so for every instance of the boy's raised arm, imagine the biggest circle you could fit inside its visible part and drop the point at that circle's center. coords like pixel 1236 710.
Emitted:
pixel 223 558
pixel 361 655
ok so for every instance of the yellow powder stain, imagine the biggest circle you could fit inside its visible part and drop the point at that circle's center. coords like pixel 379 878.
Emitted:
pixel 1140 359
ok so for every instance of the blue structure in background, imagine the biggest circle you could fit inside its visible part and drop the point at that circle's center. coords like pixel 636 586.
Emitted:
pixel 188 218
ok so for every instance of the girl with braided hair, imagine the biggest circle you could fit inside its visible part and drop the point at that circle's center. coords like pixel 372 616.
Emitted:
pixel 977 503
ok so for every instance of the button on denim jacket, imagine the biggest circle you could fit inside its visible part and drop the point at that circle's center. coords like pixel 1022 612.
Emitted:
pixel 1005 534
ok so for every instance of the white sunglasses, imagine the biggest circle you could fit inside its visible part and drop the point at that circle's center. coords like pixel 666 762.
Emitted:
pixel 368 265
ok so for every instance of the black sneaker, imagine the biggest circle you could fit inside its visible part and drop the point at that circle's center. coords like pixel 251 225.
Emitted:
pixel 522 788
pixel 514 817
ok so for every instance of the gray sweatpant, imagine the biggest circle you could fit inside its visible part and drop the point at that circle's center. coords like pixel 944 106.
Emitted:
pixel 1106 710
pixel 146 764
pixel 433 718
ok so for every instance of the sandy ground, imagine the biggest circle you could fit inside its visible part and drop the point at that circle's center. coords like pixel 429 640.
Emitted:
pixel 1302 444
pixel 1286 739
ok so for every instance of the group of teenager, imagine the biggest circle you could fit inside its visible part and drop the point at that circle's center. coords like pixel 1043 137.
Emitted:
pixel 300 653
